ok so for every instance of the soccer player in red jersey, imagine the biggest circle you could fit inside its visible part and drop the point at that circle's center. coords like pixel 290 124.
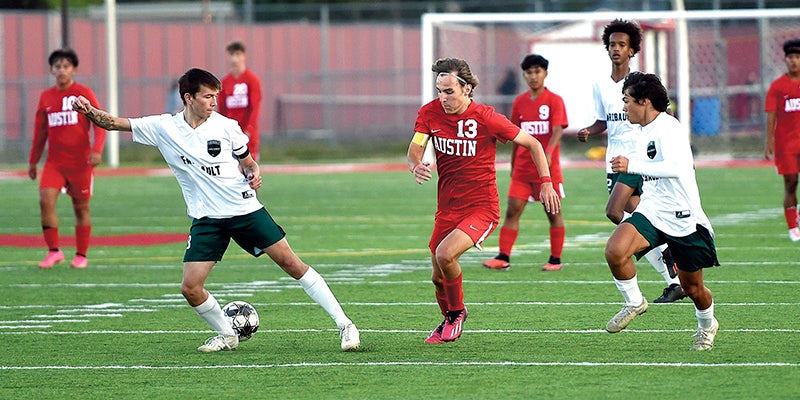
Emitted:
pixel 240 98
pixel 464 135
pixel 71 157
pixel 783 131
pixel 541 114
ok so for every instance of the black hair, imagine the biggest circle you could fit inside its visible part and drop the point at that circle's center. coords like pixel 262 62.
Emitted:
pixel 191 81
pixel 533 60
pixel 629 28
pixel 234 47
pixel 63 54
pixel 458 68
pixel 640 86
pixel 791 44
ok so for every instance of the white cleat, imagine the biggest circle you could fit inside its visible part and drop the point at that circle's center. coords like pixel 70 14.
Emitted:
pixel 351 339
pixel 219 343
pixel 704 338
pixel 625 316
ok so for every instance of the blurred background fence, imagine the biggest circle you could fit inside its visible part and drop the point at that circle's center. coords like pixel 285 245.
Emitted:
pixel 348 76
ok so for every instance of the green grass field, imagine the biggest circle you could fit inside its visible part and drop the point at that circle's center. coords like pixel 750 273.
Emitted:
pixel 120 329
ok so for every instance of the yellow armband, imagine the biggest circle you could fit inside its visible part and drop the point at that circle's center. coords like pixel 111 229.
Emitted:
pixel 420 139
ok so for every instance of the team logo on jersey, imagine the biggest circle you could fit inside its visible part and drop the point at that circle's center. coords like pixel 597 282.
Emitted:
pixel 651 149
pixel 214 147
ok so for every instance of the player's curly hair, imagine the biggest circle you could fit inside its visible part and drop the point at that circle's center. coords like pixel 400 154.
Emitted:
pixel 630 28
pixel 640 86
pixel 63 54
pixel 459 68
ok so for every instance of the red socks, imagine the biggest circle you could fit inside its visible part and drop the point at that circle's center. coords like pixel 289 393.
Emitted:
pixel 82 235
pixel 557 241
pixel 51 237
pixel 454 293
pixel 791 217
pixel 441 298
pixel 507 239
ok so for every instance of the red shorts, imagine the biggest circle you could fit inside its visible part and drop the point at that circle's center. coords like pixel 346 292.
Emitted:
pixel 478 226
pixel 530 191
pixel 787 163
pixel 77 182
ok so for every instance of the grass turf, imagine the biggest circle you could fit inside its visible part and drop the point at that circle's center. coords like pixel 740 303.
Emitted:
pixel 120 329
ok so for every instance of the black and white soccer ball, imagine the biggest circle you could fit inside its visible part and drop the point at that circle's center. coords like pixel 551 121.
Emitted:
pixel 243 317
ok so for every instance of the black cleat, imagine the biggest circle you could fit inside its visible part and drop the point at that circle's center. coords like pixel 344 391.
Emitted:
pixel 671 294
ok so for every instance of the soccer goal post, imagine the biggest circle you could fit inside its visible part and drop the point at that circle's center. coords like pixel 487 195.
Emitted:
pixel 717 64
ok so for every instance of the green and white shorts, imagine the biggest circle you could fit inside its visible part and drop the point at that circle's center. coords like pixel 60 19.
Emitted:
pixel 691 253
pixel 630 180
pixel 209 237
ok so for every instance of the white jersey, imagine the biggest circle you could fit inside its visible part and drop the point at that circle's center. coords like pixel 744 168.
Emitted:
pixel 203 161
pixel 608 107
pixel 670 198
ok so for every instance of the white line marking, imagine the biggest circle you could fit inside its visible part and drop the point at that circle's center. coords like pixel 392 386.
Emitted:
pixel 399 363
pixel 394 331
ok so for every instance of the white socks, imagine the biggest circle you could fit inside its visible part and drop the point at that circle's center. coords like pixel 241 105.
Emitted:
pixel 630 291
pixel 654 256
pixel 705 318
pixel 316 288
pixel 211 312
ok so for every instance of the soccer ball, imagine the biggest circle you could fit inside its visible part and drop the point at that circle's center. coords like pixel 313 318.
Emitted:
pixel 243 317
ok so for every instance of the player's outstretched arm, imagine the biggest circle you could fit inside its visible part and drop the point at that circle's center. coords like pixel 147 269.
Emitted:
pixel 596 128
pixel 100 117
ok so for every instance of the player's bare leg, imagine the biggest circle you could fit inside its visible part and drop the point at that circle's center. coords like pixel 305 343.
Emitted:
pixel 508 235
pixel 623 243
pixel 446 260
pixel 556 241
pixel 790 205
pixel 315 286
pixel 83 232
pixel 707 324
pixel 47 208
pixel 207 306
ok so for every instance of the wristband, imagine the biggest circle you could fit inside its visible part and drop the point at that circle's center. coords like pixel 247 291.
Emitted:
pixel 414 168
pixel 545 179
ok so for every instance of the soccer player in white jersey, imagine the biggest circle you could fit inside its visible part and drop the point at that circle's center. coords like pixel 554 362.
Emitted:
pixel 208 154
pixel 669 211
pixel 622 40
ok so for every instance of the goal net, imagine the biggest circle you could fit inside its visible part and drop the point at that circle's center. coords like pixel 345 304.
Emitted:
pixel 717 65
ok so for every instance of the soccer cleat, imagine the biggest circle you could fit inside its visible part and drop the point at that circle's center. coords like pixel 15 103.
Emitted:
pixel 794 234
pixel 551 267
pixel 704 338
pixel 669 262
pixel 625 316
pixel 453 325
pixel 496 263
pixel 79 262
pixel 351 339
pixel 219 343
pixel 672 293
pixel 436 335
pixel 52 258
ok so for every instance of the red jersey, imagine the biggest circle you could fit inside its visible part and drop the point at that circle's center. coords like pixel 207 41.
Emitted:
pixel 537 117
pixel 465 145
pixel 783 97
pixel 65 131
pixel 240 99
